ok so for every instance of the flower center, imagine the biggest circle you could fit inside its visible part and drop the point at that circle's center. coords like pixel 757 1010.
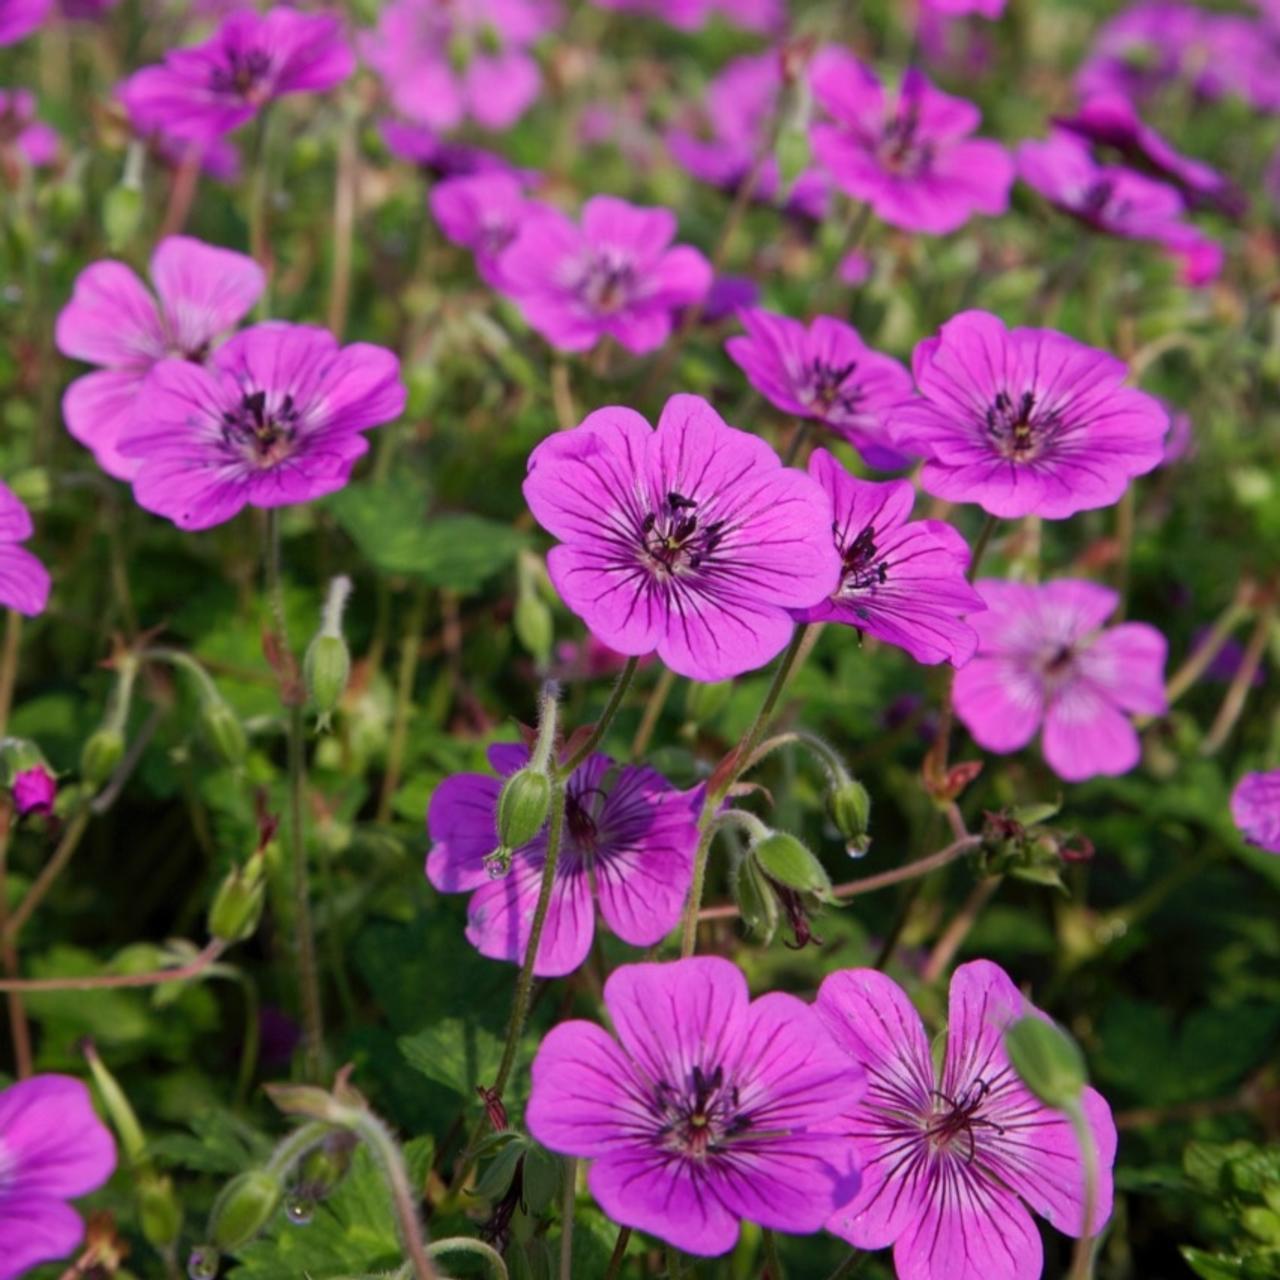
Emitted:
pixel 608 283
pixel 899 150
pixel 700 1117
pixel 1060 662
pixel 861 570
pixel 583 827
pixel 952 1121
pixel 673 538
pixel 265 434
pixel 241 74
pixel 1017 431
pixel 824 387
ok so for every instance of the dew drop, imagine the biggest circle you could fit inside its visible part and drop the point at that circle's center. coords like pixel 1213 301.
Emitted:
pixel 203 1262
pixel 300 1210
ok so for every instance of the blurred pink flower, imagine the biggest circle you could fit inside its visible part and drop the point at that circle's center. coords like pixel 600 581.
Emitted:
pixel 33 142
pixel 1255 808
pixel 24 581
pixel 19 18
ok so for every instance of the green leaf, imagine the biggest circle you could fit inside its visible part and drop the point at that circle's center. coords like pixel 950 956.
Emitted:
pixel 454 1053
pixel 1211 1266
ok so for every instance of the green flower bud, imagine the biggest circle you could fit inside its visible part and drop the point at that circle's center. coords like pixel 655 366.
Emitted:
pixel 757 903
pixel 323 1167
pixel 100 755
pixel 121 216
pixel 535 627
pixel 788 863
pixel 245 1206
pixel 1047 1060
pixel 326 667
pixel 703 702
pixel 849 808
pixel 522 807
pixel 225 732
pixel 159 1210
pixel 237 906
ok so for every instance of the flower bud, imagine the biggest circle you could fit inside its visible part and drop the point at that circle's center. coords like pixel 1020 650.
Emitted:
pixel 121 216
pixel 225 732
pixel 757 903
pixel 534 625
pixel 34 790
pixel 1047 1060
pixel 326 668
pixel 788 863
pixel 324 1166
pixel 237 906
pixel 703 702
pixel 522 807
pixel 245 1206
pixel 123 1118
pixel 159 1210
pixel 102 751
pixel 849 808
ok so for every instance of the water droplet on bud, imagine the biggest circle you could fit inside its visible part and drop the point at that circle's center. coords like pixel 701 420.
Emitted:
pixel 203 1263
pixel 300 1209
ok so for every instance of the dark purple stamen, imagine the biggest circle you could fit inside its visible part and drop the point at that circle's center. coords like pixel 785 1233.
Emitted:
pixel 699 1118
pixel 674 541
pixel 243 72
pixel 959 1118
pixel 608 283
pixel 268 433
pixel 1018 431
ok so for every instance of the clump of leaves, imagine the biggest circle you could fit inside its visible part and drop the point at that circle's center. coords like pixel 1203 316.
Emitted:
pixel 1243 1180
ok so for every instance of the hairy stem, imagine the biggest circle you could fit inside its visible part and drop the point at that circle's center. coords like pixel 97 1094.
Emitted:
pixel 601 726
pixel 566 1218
pixel 104 981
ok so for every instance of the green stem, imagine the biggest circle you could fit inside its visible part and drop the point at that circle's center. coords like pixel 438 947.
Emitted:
pixel 652 711
pixel 980 545
pixel 410 652
pixel 675 1268
pixel 259 191
pixel 601 726
pixel 771 1260
pixel 618 1254
pixel 1082 1257
pixel 850 1266
pixel 477 1248
pixel 566 1218
pixel 293 1146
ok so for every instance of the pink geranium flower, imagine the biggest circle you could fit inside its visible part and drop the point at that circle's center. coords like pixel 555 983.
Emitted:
pixel 614 275
pixel 276 417
pixel 708 1108
pixel 24 581
pixel 1255 808
pixel 53 1148
pixel 34 791
pixel 825 372
pixel 440 157
pixel 1026 421
pixel 693 539
pixel 1045 660
pixel 484 212
pixel 691 15
pixel 252 59
pixel 627 847
pixel 19 18
pixel 901 581
pixel 910 156
pixel 446 63
pixel 113 321
pixel 954 1164
pixel 34 143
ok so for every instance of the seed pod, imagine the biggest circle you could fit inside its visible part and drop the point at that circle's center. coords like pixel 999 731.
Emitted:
pixel 225 732
pixel 244 1208
pixel 326 668
pixel 1047 1060
pixel 788 863
pixel 101 753
pixel 522 807
pixel 534 625
pixel 849 808
pixel 159 1210
pixel 237 906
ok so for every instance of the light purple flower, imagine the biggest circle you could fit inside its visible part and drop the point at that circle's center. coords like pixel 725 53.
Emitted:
pixel 910 155
pixel 954 1165
pixel 1107 198
pixel 24 581
pixel 53 1148
pixel 34 791
pixel 1255 809
pixel 439 157
pixel 446 63
pixel 1044 659
pixel 32 141
pixel 615 275
pixel 627 846
pixel 114 322
pixel 825 372
pixel 1026 421
pixel 740 106
pixel 483 213
pixel 211 88
pixel 693 539
pixel 19 18
pixel 1109 119
pixel 902 581
pixel 276 417
pixel 708 1108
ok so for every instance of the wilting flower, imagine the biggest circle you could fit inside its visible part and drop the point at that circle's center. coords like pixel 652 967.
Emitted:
pixel 741 103
pixel 252 59
pixel 34 791
pixel 1255 808
pixel 910 156
pixel 690 15
pixel 1044 659
pixel 52 1149
pixel 1026 421
pixel 276 417
pixel 953 1167
pixel 825 372
pixel 445 63
pixel 439 157
pixel 24 581
pixel 693 539
pixel 614 276
pixel 627 844
pixel 1110 120
pixel 483 213
pixel 902 581
pixel 708 1108
pixel 33 142
pixel 113 321
pixel 19 18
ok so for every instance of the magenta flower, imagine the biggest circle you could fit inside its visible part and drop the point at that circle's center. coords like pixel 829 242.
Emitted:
pixel 1141 49
pixel 34 791
pixel 1026 421
pixel 483 213
pixel 438 157
pixel 19 18
pixel 52 1149
pixel 903 582
pixel 1110 199
pixel 953 1167
pixel 1199 257
pixel 1255 809
pixel 707 1109
pixel 113 321
pixel 24 581
pixel 627 845
pixel 1044 659
pixel 211 88
pixel 614 276
pixel 1110 120
pixel 825 372
pixel 446 63
pixel 693 540
pixel 276 417
pixel 740 106
pixel 34 143
pixel 910 157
